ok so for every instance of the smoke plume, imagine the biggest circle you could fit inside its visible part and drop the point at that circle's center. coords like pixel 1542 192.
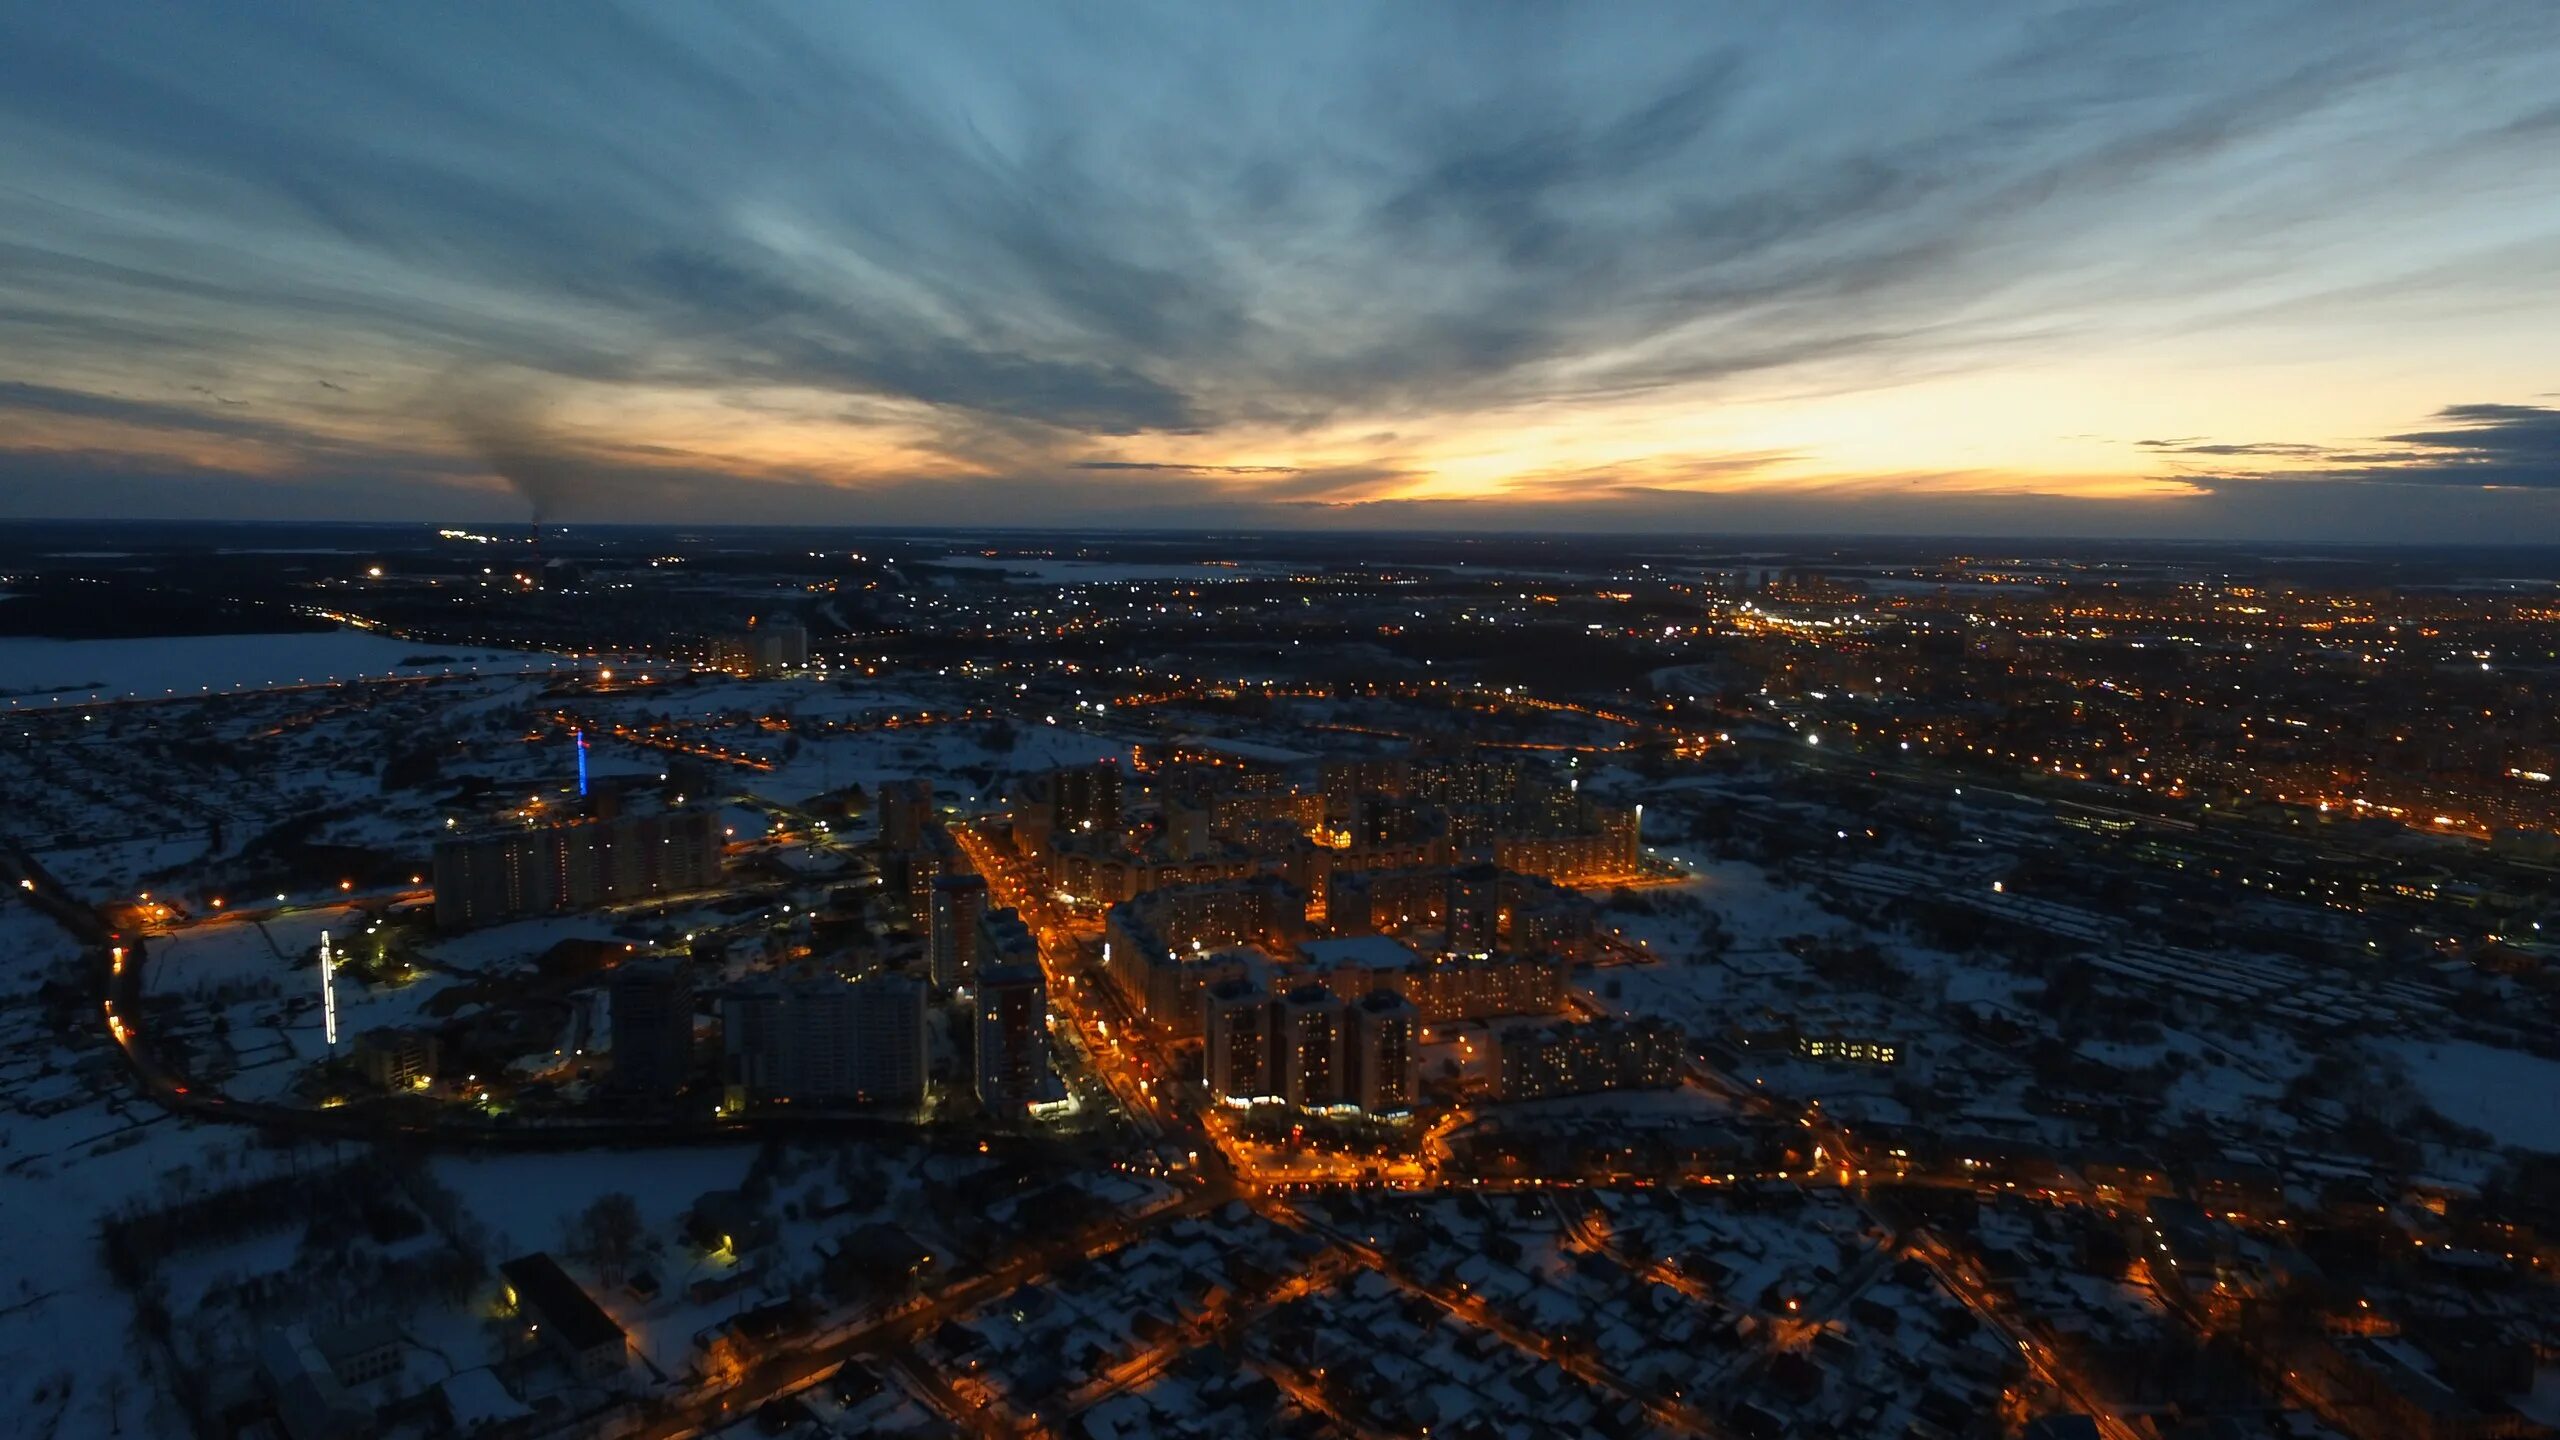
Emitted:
pixel 508 431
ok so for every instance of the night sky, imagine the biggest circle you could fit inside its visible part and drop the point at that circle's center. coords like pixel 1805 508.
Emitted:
pixel 2230 270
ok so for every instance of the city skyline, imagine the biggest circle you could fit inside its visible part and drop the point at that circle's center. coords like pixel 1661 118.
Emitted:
pixel 708 980
pixel 2250 272
pixel 1423 721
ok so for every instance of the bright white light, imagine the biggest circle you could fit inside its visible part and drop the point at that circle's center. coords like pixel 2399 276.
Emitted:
pixel 328 993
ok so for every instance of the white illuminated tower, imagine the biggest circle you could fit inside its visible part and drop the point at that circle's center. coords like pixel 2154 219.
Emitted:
pixel 328 993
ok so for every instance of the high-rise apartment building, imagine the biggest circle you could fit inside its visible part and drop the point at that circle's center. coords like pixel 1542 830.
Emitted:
pixel 1381 1053
pixel 1086 798
pixel 820 1039
pixel 906 812
pixel 1474 910
pixel 651 1014
pixel 1013 1037
pixel 1307 1048
pixel 892 1053
pixel 513 871
pixel 959 907
pixel 1237 1044
pixel 1544 1060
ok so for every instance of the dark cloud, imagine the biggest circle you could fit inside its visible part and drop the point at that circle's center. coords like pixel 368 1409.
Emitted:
pixel 2488 444
pixel 2274 449
pixel 1504 178
pixel 85 484
pixel 1166 465
pixel 159 415
pixel 89 484
pixel 1330 486
pixel 761 328
pixel 2482 445
pixel 1073 395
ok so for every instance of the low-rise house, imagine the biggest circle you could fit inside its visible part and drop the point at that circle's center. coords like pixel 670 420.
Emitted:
pixel 558 1312
pixel 364 1351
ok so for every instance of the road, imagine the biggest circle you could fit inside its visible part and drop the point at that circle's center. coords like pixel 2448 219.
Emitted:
pixel 892 1335
pixel 1135 1078
pixel 2050 1367
pixel 1126 1076
pixel 1474 1311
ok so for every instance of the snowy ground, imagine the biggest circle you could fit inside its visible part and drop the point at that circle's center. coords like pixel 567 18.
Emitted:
pixel 955 757
pixel 58 672
pixel 31 945
pixel 203 959
pixel 2507 1093
pixel 71 1365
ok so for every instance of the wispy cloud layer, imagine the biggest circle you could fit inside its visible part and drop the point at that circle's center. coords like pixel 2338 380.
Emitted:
pixel 1143 262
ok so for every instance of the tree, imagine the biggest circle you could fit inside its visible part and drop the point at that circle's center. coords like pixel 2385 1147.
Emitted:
pixel 608 1233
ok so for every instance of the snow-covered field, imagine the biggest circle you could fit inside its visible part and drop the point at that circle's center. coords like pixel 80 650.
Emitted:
pixel 2507 1093
pixel 954 757
pixel 69 1354
pixel 204 958
pixel 39 672
pixel 30 946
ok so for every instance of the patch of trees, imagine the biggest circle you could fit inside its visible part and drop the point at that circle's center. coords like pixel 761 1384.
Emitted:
pixel 93 609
